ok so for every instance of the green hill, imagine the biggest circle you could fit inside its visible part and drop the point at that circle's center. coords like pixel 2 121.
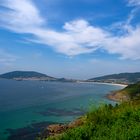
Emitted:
pixel 131 92
pixel 124 78
pixel 24 75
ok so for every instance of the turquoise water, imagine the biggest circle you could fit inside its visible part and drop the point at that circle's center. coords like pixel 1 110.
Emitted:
pixel 23 103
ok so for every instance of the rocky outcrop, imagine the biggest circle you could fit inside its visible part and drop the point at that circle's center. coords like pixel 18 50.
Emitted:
pixel 118 96
pixel 58 129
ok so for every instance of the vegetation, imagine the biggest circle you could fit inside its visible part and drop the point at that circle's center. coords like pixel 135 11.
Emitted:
pixel 133 91
pixel 125 78
pixel 121 122
pixel 32 75
pixel 24 74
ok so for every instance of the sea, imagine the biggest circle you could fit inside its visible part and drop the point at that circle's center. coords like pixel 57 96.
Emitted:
pixel 28 107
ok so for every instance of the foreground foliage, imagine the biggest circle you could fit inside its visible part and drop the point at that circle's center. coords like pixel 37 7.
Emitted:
pixel 121 122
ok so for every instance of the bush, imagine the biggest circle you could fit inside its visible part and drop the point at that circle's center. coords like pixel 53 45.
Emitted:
pixel 121 122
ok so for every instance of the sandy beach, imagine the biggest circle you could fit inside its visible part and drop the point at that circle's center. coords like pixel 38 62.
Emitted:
pixel 123 85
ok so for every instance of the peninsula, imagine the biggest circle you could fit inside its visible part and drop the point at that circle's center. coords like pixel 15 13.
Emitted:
pixel 131 92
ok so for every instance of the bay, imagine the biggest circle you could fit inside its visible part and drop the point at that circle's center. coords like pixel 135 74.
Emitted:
pixel 38 103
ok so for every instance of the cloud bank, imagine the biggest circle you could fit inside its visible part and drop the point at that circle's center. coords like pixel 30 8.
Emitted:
pixel 77 36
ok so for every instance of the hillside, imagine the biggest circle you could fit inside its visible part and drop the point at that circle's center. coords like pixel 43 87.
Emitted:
pixel 131 92
pixel 122 78
pixel 26 75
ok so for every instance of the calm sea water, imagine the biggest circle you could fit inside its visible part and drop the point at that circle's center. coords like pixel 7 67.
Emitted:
pixel 23 103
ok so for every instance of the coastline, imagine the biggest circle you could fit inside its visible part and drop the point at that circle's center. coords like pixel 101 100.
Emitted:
pixel 123 85
pixel 118 96
pixel 112 96
pixel 58 129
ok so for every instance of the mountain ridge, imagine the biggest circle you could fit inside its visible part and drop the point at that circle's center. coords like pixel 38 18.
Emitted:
pixel 121 78
pixel 26 75
pixel 32 75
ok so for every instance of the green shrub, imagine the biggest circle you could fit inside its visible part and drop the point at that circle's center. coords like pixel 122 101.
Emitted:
pixel 121 122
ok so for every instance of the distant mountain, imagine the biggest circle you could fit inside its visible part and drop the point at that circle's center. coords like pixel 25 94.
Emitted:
pixel 122 78
pixel 27 75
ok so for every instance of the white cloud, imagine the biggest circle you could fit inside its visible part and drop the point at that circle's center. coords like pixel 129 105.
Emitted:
pixel 21 16
pixel 128 46
pixel 134 2
pixel 77 37
pixel 136 9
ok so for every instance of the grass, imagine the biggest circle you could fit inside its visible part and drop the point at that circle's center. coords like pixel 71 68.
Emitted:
pixel 120 122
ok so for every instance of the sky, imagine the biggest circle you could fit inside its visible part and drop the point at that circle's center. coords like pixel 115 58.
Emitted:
pixel 77 39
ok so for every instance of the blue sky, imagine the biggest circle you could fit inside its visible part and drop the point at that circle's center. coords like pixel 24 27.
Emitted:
pixel 70 38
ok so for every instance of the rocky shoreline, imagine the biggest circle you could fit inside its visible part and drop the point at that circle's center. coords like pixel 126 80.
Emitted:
pixel 117 96
pixel 57 129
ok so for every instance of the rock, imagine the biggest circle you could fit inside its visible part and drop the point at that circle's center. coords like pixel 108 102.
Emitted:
pixel 56 128
pixel 75 123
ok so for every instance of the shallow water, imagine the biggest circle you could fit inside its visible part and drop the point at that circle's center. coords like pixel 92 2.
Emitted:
pixel 34 104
